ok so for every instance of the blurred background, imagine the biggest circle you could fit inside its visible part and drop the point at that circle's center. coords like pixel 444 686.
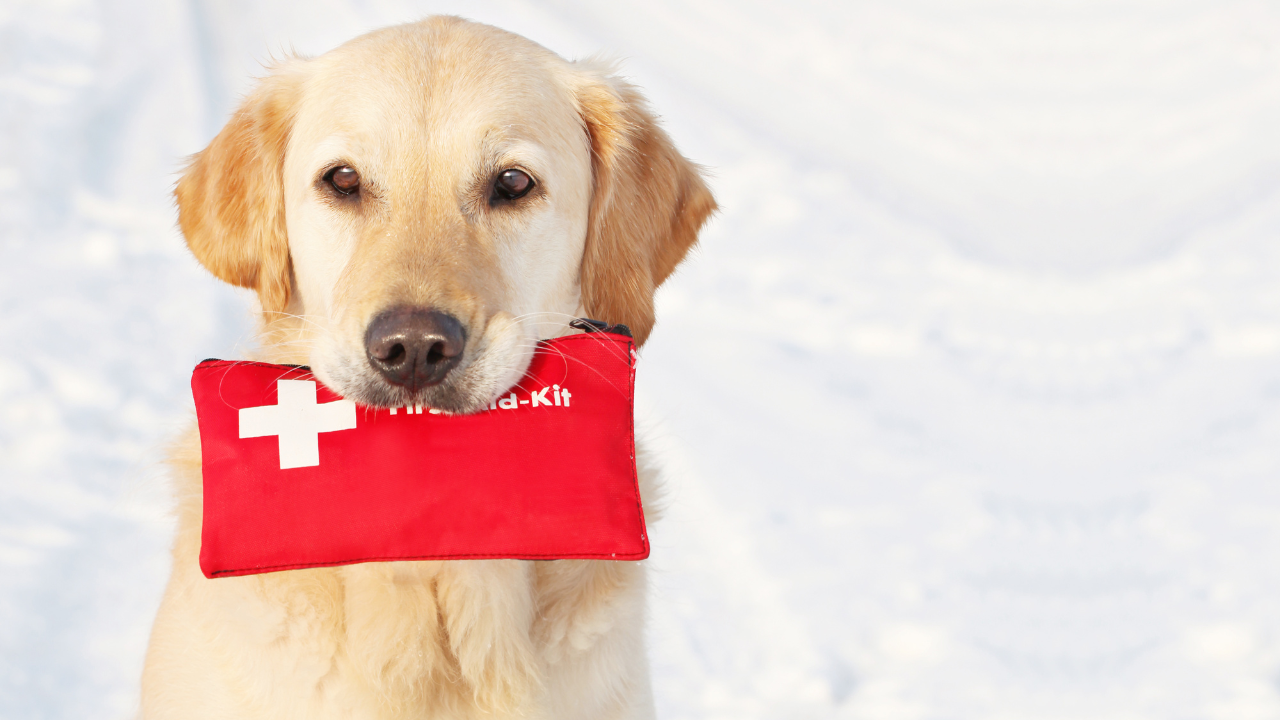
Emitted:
pixel 969 401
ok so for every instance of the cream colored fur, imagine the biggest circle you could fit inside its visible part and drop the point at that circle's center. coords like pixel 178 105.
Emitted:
pixel 426 112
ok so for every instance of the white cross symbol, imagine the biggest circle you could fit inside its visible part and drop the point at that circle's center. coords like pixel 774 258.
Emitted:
pixel 298 420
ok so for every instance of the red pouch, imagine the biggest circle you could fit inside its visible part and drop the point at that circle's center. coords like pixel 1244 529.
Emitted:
pixel 297 477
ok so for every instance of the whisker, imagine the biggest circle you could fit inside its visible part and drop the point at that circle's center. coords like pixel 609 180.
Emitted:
pixel 567 358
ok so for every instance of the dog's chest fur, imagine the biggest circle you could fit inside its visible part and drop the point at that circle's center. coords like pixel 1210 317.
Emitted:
pixel 395 640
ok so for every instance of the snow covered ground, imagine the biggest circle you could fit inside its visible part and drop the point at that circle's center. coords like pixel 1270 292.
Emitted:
pixel 970 400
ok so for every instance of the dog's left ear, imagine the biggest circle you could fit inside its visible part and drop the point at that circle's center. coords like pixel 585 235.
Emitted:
pixel 646 209
pixel 231 196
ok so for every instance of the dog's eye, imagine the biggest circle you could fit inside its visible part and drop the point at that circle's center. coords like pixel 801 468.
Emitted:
pixel 344 179
pixel 512 184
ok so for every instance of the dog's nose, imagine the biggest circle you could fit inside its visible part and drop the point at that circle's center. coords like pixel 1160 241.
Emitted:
pixel 414 347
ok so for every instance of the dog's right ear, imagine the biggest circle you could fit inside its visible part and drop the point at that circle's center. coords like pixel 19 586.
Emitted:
pixel 231 195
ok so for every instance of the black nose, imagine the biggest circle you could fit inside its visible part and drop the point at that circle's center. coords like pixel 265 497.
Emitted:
pixel 414 347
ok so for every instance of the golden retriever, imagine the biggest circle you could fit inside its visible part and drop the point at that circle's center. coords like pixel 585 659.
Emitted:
pixel 414 210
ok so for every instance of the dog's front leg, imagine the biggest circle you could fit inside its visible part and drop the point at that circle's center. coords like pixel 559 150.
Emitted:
pixel 487 609
pixel 590 631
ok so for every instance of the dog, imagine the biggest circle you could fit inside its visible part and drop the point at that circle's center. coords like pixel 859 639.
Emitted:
pixel 414 210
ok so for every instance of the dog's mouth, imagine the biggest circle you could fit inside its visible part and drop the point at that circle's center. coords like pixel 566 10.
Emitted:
pixel 415 357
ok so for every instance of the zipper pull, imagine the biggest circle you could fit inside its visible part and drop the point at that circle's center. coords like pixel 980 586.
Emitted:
pixel 587 325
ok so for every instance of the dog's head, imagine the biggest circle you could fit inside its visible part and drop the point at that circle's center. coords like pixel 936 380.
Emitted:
pixel 418 207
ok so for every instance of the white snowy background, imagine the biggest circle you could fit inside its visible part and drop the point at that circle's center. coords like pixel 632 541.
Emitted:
pixel 970 401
